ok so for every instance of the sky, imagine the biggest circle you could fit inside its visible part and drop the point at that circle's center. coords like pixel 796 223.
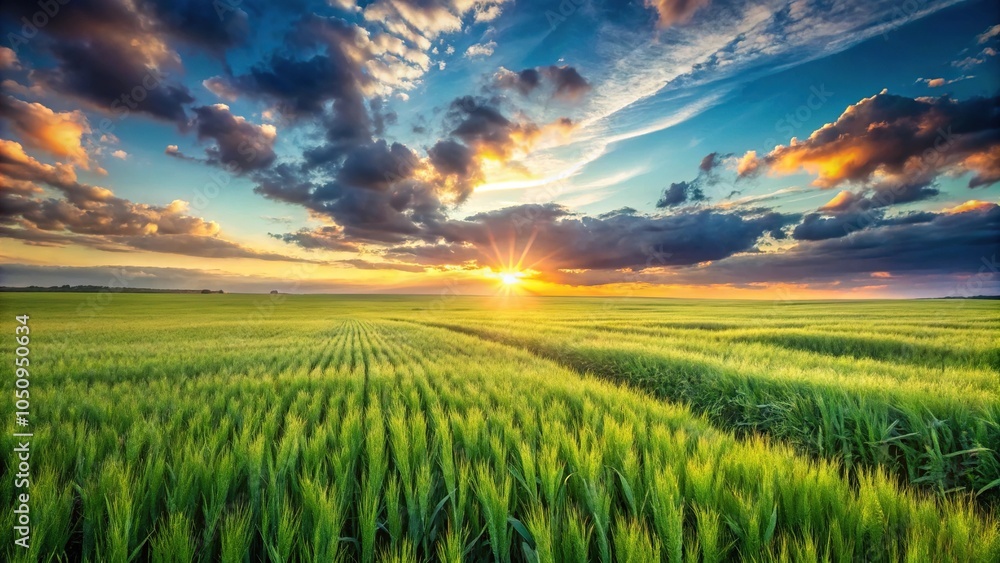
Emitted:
pixel 678 148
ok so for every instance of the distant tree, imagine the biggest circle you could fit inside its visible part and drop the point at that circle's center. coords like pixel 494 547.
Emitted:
pixel 206 291
pixel 274 292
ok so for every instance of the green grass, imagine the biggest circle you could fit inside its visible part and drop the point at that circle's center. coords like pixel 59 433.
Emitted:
pixel 175 427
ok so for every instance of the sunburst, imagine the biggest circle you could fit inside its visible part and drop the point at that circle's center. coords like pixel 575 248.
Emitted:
pixel 508 268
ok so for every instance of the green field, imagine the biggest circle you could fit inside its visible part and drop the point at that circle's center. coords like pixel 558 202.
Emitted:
pixel 323 428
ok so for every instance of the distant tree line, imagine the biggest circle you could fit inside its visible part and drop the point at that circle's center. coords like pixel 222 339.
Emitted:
pixel 103 288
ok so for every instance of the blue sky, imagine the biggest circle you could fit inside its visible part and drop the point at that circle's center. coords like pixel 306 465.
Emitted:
pixel 575 134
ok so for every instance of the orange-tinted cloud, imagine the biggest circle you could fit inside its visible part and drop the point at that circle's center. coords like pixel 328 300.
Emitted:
pixel 57 133
pixel 890 139
pixel 8 59
pixel 672 12
pixel 971 205
pixel 841 201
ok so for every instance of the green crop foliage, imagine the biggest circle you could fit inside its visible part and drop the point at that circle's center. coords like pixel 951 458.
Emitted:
pixel 196 428
pixel 911 387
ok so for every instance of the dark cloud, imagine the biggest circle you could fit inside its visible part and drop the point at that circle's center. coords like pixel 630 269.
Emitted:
pixel 240 146
pixel 680 192
pixel 377 166
pixel 215 26
pixel 952 242
pixel 922 254
pixel 284 182
pixel 321 238
pixel 850 211
pixel 569 85
pixel 324 66
pixel 623 239
pixel 710 163
pixel 381 117
pixel 452 158
pixel 117 56
pixel 566 82
pixel 110 78
pixel 524 81
pixel 373 195
pixel 693 191
pixel 486 134
pixel 300 87
pixel 815 226
pixel 480 124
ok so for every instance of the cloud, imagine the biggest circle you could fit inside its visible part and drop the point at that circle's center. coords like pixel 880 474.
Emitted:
pixel 58 133
pixel 323 238
pixel 221 88
pixel 552 238
pixel 975 60
pixel 422 21
pixel 451 158
pixel 525 81
pixel 748 165
pixel 678 193
pixel 924 244
pixel 673 12
pixel 480 135
pixel 374 193
pixel 487 13
pixel 301 86
pixel 93 216
pixel 939 82
pixel 211 26
pixel 8 59
pixel 239 145
pixel 175 151
pixel 204 247
pixel 86 209
pixel 971 205
pixel 990 33
pixel 927 254
pixel 16 164
pixel 815 226
pixel 566 82
pixel 710 162
pixel 479 50
pixel 894 140
pixel 483 128
pixel 851 211
pixel 119 57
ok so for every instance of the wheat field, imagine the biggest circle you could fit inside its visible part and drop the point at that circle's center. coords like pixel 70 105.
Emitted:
pixel 343 428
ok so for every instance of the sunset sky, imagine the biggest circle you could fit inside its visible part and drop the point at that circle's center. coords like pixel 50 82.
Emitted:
pixel 682 148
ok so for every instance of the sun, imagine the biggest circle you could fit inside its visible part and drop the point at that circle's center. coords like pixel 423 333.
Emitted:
pixel 509 278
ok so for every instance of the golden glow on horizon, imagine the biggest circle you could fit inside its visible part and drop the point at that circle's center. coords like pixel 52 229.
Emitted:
pixel 311 278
